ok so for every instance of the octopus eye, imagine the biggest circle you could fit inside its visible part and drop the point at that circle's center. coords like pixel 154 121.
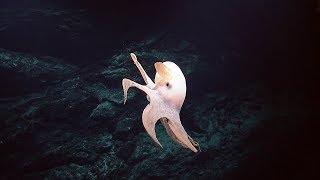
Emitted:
pixel 168 85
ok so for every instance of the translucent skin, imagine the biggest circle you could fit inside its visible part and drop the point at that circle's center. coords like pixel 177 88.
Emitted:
pixel 166 98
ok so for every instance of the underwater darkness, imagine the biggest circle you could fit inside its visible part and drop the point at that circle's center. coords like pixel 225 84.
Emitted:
pixel 251 99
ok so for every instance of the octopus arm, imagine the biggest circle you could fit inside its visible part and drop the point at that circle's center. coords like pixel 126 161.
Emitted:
pixel 179 133
pixel 164 122
pixel 150 116
pixel 127 83
pixel 144 75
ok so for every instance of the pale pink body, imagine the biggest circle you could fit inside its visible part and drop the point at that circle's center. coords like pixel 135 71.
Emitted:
pixel 166 98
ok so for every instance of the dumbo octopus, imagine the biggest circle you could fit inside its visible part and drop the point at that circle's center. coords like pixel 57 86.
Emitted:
pixel 166 96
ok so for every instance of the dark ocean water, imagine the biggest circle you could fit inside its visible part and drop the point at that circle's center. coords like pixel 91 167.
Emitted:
pixel 251 75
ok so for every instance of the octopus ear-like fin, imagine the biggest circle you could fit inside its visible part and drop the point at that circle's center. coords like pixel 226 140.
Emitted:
pixel 180 134
pixel 163 71
pixel 149 119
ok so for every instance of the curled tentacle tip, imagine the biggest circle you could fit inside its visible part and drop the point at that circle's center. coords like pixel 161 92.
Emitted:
pixel 133 56
pixel 195 151
pixel 125 86
pixel 158 143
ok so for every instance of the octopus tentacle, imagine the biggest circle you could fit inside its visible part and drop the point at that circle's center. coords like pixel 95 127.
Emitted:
pixel 194 143
pixel 127 83
pixel 180 133
pixel 145 76
pixel 150 116
pixel 164 122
